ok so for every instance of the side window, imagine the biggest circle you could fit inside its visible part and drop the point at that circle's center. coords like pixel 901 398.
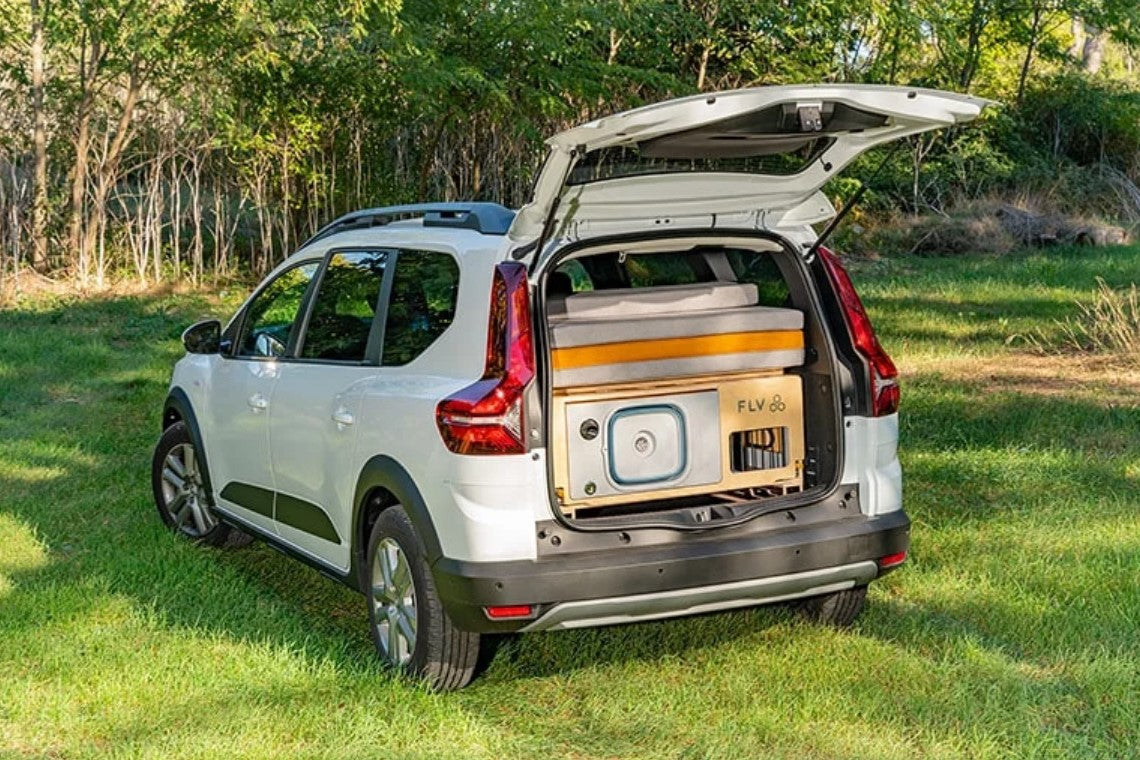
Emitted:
pixel 345 306
pixel 270 318
pixel 762 270
pixel 579 278
pixel 422 304
pixel 655 270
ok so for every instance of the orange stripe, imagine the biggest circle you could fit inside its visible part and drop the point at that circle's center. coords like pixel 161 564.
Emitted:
pixel 676 348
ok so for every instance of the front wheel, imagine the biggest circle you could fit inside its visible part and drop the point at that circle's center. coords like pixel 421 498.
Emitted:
pixel 410 628
pixel 180 494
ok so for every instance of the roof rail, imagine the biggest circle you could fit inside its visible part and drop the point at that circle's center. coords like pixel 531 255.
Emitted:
pixel 486 218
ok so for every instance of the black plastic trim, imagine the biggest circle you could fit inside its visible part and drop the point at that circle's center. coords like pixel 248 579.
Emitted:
pixel 304 516
pixel 288 510
pixel 254 498
pixel 276 543
pixel 382 471
pixel 483 217
pixel 467 587
pixel 178 404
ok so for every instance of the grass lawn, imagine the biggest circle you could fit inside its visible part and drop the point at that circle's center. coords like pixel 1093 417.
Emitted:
pixel 1011 633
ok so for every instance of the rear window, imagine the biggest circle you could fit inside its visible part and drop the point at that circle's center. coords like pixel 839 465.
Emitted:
pixel 779 139
pixel 422 305
pixel 632 161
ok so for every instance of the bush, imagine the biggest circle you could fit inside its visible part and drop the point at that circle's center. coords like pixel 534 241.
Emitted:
pixel 1109 324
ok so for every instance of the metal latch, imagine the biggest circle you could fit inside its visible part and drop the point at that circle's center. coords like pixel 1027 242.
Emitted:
pixel 811 120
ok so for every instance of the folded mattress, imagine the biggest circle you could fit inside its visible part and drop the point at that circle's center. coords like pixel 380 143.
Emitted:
pixel 667 299
pixel 633 335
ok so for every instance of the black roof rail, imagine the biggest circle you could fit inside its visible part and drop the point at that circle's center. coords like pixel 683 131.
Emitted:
pixel 486 218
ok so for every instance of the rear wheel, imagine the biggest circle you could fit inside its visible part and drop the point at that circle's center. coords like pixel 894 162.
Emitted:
pixel 838 609
pixel 180 493
pixel 410 628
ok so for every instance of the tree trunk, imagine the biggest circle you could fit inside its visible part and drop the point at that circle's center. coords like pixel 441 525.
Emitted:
pixel 1030 47
pixel 109 169
pixel 1094 48
pixel 88 62
pixel 615 45
pixel 704 68
pixel 39 142
pixel 977 27
pixel 196 213
pixel 1077 28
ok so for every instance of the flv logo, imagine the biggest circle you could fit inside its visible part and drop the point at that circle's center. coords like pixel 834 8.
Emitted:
pixel 757 405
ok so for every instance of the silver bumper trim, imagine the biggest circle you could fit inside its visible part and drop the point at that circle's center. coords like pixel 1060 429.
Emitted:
pixel 590 613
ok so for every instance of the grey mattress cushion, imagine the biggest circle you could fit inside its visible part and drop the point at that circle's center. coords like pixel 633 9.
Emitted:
pixel 685 367
pixel 570 332
pixel 669 299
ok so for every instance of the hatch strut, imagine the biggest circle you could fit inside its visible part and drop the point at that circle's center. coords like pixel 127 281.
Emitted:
pixel 849 204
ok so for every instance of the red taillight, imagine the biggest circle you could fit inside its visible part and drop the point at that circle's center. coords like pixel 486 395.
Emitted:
pixel 487 416
pixel 508 612
pixel 892 560
pixel 883 374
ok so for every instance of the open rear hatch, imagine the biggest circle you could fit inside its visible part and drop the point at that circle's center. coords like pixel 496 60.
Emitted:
pixel 689 371
pixel 744 158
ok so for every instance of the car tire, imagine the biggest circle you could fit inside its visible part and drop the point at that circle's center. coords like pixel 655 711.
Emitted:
pixel 838 609
pixel 180 494
pixel 410 628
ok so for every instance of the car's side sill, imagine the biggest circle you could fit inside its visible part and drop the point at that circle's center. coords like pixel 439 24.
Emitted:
pixel 286 548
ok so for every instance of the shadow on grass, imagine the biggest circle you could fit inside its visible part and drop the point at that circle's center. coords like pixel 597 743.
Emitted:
pixel 84 408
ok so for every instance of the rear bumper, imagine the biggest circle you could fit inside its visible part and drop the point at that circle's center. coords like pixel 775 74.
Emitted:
pixel 696 573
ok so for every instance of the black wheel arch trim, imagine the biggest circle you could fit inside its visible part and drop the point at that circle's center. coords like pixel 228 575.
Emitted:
pixel 178 405
pixel 382 471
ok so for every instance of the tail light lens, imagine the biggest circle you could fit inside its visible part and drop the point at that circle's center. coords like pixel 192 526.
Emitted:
pixel 509 612
pixel 892 560
pixel 884 382
pixel 487 417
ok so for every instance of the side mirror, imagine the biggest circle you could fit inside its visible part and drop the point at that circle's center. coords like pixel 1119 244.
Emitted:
pixel 203 337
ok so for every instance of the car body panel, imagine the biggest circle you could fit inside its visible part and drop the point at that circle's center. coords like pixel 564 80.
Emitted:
pixel 314 456
pixel 238 433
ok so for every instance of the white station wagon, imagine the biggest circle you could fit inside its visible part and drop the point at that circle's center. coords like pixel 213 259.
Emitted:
pixel 648 393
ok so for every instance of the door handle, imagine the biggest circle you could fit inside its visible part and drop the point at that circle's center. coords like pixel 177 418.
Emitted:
pixel 343 417
pixel 258 402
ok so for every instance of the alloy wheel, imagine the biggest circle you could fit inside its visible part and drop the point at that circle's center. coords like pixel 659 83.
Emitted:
pixel 183 494
pixel 394 602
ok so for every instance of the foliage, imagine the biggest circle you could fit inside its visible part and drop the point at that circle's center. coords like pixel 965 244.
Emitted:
pixel 1109 323
pixel 195 137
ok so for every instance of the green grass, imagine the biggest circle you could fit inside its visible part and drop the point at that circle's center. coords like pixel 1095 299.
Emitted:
pixel 1011 633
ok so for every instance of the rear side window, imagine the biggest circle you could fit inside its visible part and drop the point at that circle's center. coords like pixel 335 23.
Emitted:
pixel 637 270
pixel 657 270
pixel 422 304
pixel 269 320
pixel 345 307
pixel 761 270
